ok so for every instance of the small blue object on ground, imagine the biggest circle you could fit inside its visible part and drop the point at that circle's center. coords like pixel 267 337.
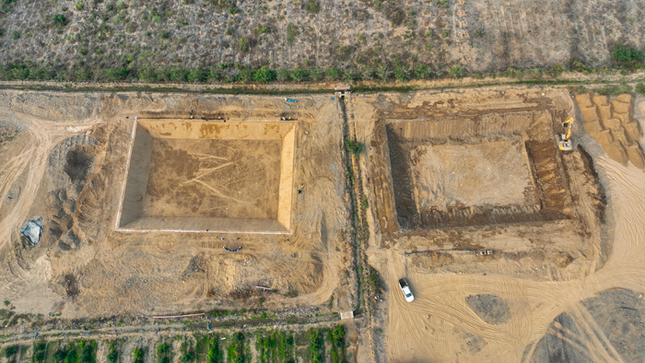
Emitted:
pixel 333 98
pixel 288 99
pixel 294 101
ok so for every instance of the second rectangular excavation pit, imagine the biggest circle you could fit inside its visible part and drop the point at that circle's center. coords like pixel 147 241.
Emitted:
pixel 200 176
pixel 456 173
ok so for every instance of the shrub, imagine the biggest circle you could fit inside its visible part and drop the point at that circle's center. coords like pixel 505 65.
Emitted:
pixel 165 34
pixel 579 67
pixel 316 74
pixel 15 35
pixel 614 90
pixel 422 71
pixel 83 74
pixel 41 74
pixel 557 69
pixel 478 33
pixel 368 73
pixel 113 355
pixel 402 74
pixel 87 352
pixel 214 353
pixel 177 74
pixel 163 349
pixel 196 75
pixel 384 72
pixel 116 74
pixel 138 356
pixel 10 351
pixel 1 32
pixel 337 340
pixel 625 54
pixel 394 14
pixel 640 88
pixel 60 355
pixel 71 357
pixel 264 75
pixel 292 33
pixel 283 75
pixel 354 147
pixel 349 76
pixel 312 6
pixel 121 5
pixel 456 71
pixel 189 354
pixel 332 73
pixel 316 346
pixel 246 75
pixel 244 45
pixel 59 19
pixel 298 74
pixel 147 74
pixel 443 3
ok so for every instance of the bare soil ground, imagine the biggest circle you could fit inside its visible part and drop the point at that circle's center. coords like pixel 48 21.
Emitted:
pixel 443 176
pixel 84 267
pixel 183 172
pixel 485 308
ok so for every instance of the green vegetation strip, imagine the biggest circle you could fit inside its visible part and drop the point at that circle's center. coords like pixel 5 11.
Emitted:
pixel 625 60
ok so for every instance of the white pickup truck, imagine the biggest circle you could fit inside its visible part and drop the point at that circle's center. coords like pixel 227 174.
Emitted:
pixel 407 293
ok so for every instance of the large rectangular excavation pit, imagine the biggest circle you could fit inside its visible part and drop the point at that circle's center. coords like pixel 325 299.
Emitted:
pixel 440 182
pixel 201 176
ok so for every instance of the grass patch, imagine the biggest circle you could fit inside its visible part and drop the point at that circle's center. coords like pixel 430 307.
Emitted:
pixel 215 354
pixel 138 356
pixel 11 351
pixel 316 351
pixel 164 353
pixel 113 354
pixel 614 90
pixel 40 352
pixel 188 353
pixel 80 351
pixel 235 351
pixel 336 339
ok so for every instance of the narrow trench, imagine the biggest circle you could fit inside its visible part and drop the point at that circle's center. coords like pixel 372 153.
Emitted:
pixel 350 177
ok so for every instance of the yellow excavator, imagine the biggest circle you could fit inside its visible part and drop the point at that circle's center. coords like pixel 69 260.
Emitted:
pixel 564 140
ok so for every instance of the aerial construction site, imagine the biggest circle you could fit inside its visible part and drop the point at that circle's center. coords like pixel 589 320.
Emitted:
pixel 320 181
pixel 158 227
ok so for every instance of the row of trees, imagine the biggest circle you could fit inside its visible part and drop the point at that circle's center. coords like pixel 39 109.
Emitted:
pixel 262 74
pixel 625 59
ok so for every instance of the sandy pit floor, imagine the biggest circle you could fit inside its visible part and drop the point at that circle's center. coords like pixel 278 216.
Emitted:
pixel 445 175
pixel 213 178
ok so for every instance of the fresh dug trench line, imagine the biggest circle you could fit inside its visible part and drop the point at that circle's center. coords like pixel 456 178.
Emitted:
pixel 360 233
